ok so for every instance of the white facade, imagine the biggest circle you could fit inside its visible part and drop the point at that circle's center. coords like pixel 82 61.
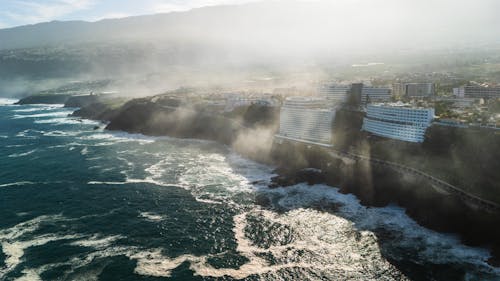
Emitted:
pixel 306 119
pixel 372 94
pixel 334 93
pixel 398 121
pixel 459 92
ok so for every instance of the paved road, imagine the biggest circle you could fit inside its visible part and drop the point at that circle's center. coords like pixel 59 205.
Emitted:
pixel 468 197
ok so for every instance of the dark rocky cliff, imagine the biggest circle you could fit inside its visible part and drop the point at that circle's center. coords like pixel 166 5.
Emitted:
pixel 379 186
pixel 45 99
pixel 372 184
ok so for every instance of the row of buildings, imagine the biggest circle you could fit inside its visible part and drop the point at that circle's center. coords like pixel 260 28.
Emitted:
pixel 366 94
pixel 311 120
pixel 358 93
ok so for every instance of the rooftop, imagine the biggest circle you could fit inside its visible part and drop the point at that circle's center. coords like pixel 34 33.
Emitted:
pixel 399 105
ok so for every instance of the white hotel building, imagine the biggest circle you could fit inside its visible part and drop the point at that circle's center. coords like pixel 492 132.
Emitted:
pixel 398 121
pixel 306 120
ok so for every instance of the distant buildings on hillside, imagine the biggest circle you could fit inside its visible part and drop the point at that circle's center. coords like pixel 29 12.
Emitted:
pixel 477 92
pixel 414 90
pixel 233 101
pixel 398 121
pixel 311 119
pixel 375 95
pixel 354 94
pixel 334 93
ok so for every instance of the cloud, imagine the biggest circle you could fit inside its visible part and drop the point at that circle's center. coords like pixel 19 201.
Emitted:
pixel 20 12
pixel 117 15
pixel 165 6
pixel 30 11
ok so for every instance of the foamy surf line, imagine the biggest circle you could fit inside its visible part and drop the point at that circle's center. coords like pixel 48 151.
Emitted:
pixel 38 107
pixel 8 101
pixel 440 248
pixel 66 121
pixel 20 183
pixel 42 115
pixel 308 254
pixel 16 155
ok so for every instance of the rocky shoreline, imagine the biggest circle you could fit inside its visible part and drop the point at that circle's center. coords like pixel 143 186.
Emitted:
pixel 299 163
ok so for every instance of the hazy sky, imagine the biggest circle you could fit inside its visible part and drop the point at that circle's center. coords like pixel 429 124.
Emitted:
pixel 21 12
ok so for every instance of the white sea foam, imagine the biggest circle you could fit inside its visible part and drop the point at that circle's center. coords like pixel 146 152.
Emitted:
pixel 106 182
pixel 149 181
pixel 151 216
pixel 14 247
pixel 119 137
pixel 62 133
pixel 323 243
pixel 94 158
pixel 71 145
pixel 438 247
pixel 7 101
pixel 215 178
pixel 15 250
pixel 97 241
pixel 15 145
pixel 22 214
pixel 66 121
pixel 29 275
pixel 45 105
pixel 84 151
pixel 33 109
pixel 16 239
pixel 16 155
pixel 19 183
pixel 25 133
pixel 42 115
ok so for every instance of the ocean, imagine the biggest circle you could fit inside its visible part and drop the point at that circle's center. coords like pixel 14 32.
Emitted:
pixel 81 203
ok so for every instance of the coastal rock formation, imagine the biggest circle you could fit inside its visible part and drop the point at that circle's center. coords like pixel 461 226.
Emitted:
pixel 373 185
pixel 45 99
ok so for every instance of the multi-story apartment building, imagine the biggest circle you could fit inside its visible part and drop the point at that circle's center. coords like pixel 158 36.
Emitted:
pixel 459 92
pixel 481 92
pixel 306 119
pixel 377 95
pixel 398 121
pixel 414 90
pixel 334 93
pixel 354 94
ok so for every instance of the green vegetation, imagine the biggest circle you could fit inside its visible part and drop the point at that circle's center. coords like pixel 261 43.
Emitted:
pixel 443 109
pixel 464 157
pixel 255 115
pixel 494 106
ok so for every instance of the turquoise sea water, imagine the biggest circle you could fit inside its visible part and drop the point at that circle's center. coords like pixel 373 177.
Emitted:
pixel 84 204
